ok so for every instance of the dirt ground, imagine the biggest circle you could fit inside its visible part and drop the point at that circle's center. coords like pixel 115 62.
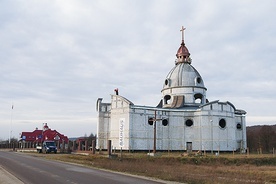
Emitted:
pixel 225 168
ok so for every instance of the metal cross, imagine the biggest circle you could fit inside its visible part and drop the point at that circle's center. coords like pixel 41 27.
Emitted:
pixel 182 29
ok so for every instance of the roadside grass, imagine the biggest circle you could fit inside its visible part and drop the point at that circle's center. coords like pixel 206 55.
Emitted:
pixel 225 168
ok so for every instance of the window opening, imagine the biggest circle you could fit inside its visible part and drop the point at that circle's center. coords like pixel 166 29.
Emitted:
pixel 166 81
pixel 165 122
pixel 222 123
pixel 189 122
pixel 167 99
pixel 198 98
pixel 198 80
pixel 150 121
pixel 239 126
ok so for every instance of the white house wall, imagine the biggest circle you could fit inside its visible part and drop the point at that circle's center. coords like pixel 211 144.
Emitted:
pixel 119 112
pixel 204 134
pixel 103 127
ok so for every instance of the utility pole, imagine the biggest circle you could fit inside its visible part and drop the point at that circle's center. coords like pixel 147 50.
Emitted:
pixel 154 133
pixel 154 130
pixel 10 135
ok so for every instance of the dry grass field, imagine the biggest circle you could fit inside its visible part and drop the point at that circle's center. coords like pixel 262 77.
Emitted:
pixel 225 168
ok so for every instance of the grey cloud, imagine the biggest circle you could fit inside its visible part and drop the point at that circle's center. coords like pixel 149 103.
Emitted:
pixel 57 58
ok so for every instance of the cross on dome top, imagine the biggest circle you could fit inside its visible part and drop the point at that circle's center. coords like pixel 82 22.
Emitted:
pixel 182 30
pixel 183 54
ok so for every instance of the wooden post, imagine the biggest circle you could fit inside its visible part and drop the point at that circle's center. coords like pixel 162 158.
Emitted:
pixel 109 147
pixel 63 146
pixel 121 154
pixel 68 147
pixel 80 145
pixel 74 145
pixel 154 133
pixel 86 145
pixel 93 147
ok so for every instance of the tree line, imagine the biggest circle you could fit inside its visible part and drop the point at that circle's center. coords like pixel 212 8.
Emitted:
pixel 261 138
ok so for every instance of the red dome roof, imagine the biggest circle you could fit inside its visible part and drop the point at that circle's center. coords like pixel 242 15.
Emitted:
pixel 183 51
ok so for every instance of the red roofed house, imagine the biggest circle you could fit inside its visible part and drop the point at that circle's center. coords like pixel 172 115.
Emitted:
pixel 38 136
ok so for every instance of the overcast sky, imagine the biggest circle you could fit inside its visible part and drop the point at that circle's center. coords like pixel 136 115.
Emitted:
pixel 58 57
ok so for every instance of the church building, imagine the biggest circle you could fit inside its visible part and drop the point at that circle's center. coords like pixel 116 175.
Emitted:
pixel 184 120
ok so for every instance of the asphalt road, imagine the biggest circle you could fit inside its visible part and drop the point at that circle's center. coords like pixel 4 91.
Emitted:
pixel 33 170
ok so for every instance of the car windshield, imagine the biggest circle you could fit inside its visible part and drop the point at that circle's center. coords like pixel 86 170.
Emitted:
pixel 50 143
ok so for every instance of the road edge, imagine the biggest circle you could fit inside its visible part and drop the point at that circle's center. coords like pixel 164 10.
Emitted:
pixel 7 178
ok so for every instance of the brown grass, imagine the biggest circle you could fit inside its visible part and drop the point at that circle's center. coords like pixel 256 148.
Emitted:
pixel 174 167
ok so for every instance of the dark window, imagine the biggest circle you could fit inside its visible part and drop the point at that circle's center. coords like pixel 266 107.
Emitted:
pixel 165 122
pixel 189 122
pixel 167 99
pixel 166 81
pixel 198 80
pixel 239 126
pixel 222 123
pixel 150 121
pixel 198 98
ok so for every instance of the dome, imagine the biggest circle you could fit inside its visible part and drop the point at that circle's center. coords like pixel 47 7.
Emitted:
pixel 183 75
pixel 183 85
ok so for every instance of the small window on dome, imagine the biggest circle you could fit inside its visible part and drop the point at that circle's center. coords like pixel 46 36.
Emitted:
pixel 167 82
pixel 198 80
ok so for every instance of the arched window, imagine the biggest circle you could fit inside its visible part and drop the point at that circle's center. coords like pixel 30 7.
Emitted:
pixel 198 98
pixel 167 99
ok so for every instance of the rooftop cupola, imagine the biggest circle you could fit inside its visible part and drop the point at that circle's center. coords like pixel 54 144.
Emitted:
pixel 183 85
pixel 183 54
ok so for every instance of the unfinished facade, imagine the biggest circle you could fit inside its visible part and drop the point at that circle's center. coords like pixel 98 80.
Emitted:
pixel 184 118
